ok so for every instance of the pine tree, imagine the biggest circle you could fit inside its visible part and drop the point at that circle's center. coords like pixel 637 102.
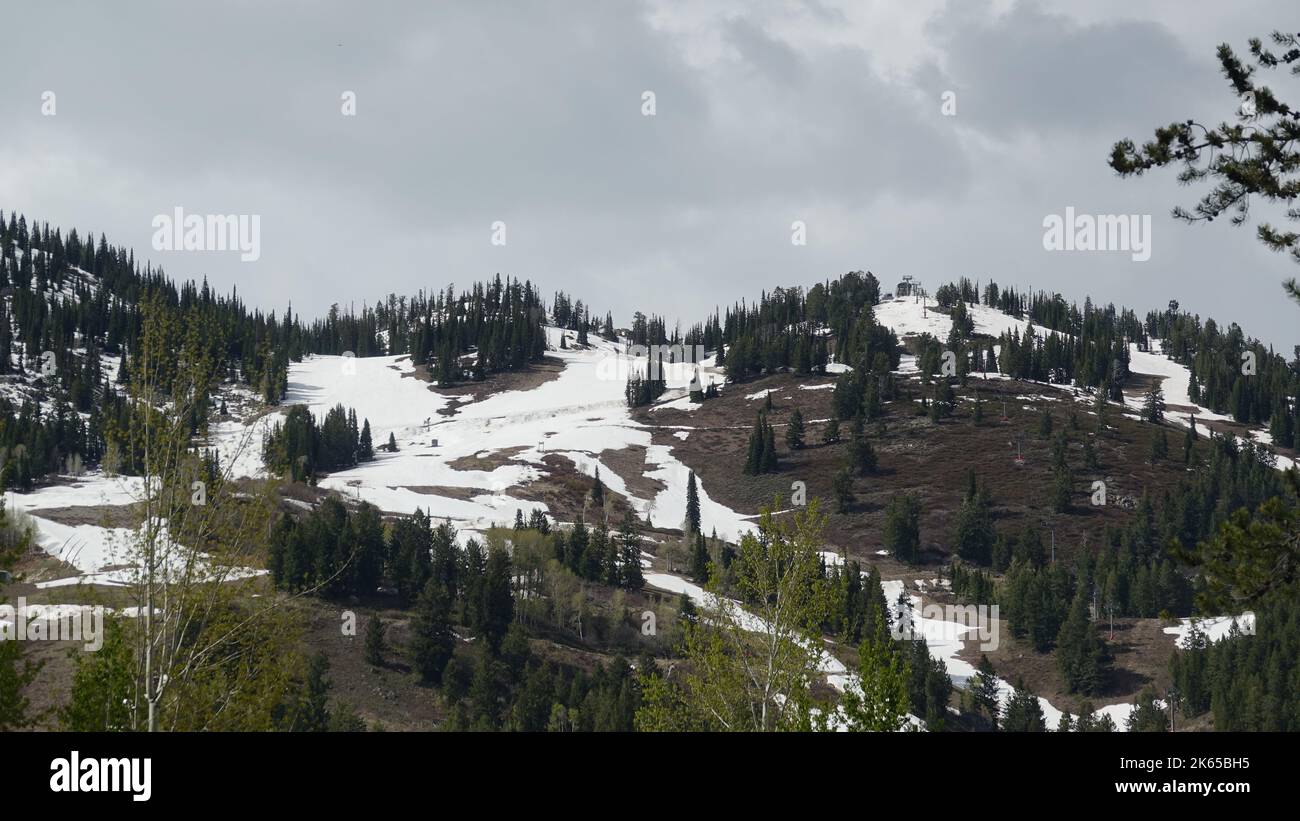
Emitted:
pixel 497 608
pixel 367 448
pixel 537 521
pixel 871 406
pixel 973 531
pixel 1089 722
pixel 392 443
pixel 1023 713
pixel 692 505
pixel 842 486
pixel 1081 653
pixel 630 558
pixel 311 711
pixel 598 491
pixel 1147 715
pixel 985 691
pixel 1062 487
pixel 794 432
pixel 902 531
pixel 878 701
pixel 700 560
pixel 1153 406
pixel 831 433
pixel 432 640
pixel 754 449
pixel 770 463
pixel 1159 446
pixel 861 456
pixel 1090 460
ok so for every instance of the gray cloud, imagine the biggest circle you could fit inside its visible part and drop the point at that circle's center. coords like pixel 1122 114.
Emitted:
pixel 530 113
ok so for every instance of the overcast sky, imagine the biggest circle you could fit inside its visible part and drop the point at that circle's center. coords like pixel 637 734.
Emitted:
pixel 530 113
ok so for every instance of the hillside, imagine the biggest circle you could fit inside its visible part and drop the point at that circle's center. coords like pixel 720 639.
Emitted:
pixel 541 434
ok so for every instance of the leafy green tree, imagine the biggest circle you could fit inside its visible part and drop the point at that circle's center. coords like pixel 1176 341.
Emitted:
pixel 102 683
pixel 16 673
pixel 749 665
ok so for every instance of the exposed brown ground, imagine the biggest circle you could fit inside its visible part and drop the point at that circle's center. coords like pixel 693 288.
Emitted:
pixel 535 374
pixel 630 464
pixel 486 460
pixel 930 460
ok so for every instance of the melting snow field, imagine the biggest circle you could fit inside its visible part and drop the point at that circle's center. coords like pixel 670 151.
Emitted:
pixel 94 550
pixel 1214 628
pixel 577 415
